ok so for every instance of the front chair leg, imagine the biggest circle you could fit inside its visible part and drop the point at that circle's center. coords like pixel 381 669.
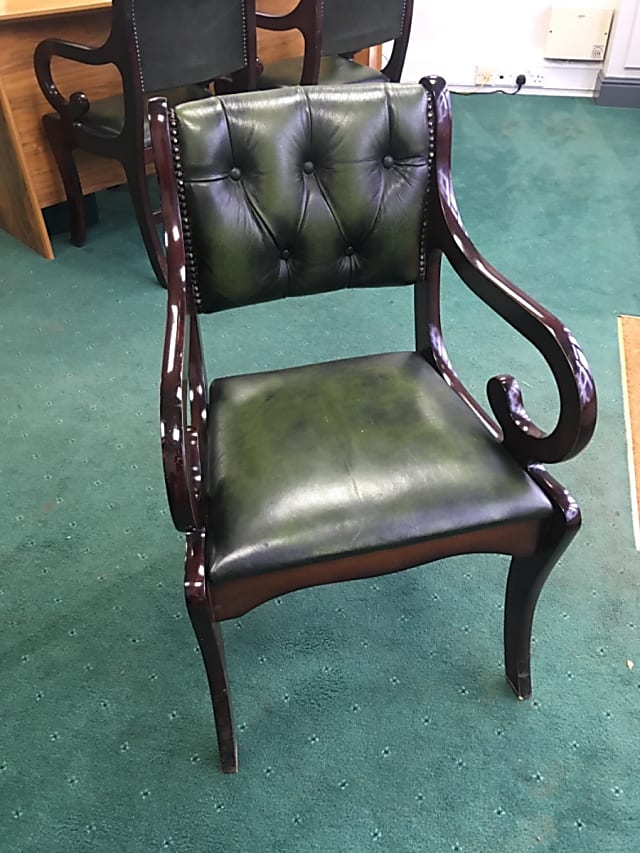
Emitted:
pixel 524 584
pixel 63 153
pixel 139 191
pixel 209 637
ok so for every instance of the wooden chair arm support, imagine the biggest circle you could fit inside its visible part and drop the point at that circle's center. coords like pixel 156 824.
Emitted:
pixel 576 388
pixel 78 104
pixel 183 385
pixel 576 421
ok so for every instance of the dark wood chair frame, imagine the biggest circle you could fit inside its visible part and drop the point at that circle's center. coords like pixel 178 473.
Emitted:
pixel 65 132
pixel 534 546
pixel 306 17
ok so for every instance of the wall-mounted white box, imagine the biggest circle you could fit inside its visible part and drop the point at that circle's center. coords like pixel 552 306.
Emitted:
pixel 577 33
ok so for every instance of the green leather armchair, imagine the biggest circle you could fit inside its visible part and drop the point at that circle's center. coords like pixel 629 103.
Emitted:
pixel 333 32
pixel 157 46
pixel 363 466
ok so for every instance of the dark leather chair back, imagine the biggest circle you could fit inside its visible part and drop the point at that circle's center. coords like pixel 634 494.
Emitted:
pixel 285 196
pixel 177 47
pixel 180 41
pixel 349 26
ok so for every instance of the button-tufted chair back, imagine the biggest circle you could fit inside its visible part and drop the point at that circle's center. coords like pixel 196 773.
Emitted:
pixel 189 40
pixel 298 191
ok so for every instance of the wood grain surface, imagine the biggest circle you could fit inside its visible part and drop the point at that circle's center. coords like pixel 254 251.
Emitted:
pixel 629 335
pixel 19 209
pixel 21 9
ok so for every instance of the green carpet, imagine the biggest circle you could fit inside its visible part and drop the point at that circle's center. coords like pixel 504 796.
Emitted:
pixel 372 715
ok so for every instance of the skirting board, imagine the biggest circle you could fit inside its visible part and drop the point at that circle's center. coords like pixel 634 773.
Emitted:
pixel 617 91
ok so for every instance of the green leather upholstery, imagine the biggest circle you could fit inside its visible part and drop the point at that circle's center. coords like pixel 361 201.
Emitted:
pixel 330 459
pixel 188 40
pixel 334 70
pixel 106 116
pixel 298 191
pixel 349 25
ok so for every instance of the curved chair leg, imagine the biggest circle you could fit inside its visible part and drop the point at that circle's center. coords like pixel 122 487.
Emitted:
pixel 524 584
pixel 63 153
pixel 138 188
pixel 209 637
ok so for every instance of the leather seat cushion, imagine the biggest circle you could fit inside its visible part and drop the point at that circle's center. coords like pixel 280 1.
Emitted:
pixel 334 70
pixel 106 116
pixel 325 460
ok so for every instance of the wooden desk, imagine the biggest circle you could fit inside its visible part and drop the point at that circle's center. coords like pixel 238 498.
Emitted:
pixel 29 177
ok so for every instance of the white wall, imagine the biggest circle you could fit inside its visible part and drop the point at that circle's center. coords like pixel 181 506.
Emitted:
pixel 453 37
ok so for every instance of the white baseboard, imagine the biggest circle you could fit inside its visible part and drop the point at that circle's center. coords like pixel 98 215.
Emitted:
pixel 560 78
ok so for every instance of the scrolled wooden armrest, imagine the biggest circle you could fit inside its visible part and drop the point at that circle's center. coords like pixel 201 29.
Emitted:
pixel 78 104
pixel 559 348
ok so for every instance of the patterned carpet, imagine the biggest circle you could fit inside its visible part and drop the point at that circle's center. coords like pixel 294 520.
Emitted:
pixel 371 716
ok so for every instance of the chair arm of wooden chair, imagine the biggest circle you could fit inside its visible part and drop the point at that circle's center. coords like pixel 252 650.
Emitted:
pixel 183 386
pixel 78 104
pixel 559 348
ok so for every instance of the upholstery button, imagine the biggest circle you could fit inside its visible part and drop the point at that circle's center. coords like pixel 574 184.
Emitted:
pixel 387 161
pixel 349 251
pixel 235 174
pixel 308 167
pixel 285 254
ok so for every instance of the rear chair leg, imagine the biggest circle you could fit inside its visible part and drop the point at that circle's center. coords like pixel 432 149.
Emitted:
pixel 209 637
pixel 63 153
pixel 139 190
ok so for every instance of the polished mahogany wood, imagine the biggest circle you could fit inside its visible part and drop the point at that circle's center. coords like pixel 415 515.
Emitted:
pixel 209 636
pixel 576 389
pixel 236 598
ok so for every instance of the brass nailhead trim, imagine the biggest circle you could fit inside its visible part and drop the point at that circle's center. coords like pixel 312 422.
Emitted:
pixel 190 257
pixel 422 272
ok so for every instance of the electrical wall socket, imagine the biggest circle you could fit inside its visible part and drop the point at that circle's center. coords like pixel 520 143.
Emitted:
pixel 535 78
pixel 497 77
pixel 500 78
